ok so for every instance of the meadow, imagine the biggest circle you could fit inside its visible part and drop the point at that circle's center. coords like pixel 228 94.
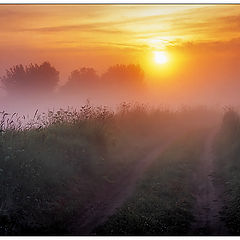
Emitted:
pixel 227 152
pixel 58 166
pixel 162 203
pixel 112 120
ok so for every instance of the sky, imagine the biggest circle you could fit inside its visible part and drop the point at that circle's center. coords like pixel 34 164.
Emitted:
pixel 201 42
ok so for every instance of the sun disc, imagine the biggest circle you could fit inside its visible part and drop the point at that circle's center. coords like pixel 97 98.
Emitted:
pixel 160 57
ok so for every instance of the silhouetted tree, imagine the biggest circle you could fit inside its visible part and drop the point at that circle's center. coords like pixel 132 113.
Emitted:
pixel 124 76
pixel 84 79
pixel 32 79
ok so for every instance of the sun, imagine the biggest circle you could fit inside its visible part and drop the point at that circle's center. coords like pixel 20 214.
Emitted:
pixel 160 57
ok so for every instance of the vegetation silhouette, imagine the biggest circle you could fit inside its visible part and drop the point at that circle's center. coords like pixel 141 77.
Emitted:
pixel 40 80
pixel 227 152
pixel 129 76
pixel 58 164
pixel 118 83
pixel 31 80
pixel 82 79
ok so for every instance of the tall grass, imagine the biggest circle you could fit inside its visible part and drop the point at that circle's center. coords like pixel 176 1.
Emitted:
pixel 227 149
pixel 53 164
pixel 162 203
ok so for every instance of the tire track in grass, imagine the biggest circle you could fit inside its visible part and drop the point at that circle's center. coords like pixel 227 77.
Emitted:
pixel 97 213
pixel 162 203
pixel 208 195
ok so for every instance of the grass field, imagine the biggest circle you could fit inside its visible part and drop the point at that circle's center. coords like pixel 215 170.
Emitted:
pixel 162 202
pixel 227 149
pixel 54 166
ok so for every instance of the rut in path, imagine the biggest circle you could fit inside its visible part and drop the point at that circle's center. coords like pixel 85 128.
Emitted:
pixel 208 195
pixel 98 213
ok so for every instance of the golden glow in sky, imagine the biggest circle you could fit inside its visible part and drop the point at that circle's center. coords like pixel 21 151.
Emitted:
pixel 160 57
pixel 72 36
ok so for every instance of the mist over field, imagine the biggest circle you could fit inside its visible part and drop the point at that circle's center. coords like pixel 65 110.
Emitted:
pixel 24 91
pixel 119 120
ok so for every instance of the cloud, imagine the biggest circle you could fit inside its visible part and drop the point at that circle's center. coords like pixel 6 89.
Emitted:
pixel 100 26
pixel 203 47
pixel 200 22
pixel 80 27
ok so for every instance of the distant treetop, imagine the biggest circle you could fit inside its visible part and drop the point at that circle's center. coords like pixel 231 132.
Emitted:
pixel 31 79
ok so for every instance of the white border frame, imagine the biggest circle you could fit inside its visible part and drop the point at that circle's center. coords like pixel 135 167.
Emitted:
pixel 101 2
pixel 202 2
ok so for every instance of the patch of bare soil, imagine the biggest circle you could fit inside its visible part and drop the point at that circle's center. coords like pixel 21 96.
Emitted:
pixel 209 201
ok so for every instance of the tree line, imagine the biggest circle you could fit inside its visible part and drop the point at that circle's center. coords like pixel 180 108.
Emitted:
pixel 43 79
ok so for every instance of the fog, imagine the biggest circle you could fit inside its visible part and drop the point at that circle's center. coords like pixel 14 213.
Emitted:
pixel 213 83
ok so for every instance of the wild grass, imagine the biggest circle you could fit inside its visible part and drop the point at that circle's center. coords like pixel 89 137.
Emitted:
pixel 162 203
pixel 53 164
pixel 227 149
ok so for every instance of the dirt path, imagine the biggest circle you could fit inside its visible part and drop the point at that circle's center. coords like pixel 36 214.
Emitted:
pixel 97 213
pixel 208 195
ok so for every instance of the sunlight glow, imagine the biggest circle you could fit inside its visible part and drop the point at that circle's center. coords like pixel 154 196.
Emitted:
pixel 160 57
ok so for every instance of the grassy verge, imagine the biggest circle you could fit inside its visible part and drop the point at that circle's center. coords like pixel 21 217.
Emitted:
pixel 227 150
pixel 162 202
pixel 54 166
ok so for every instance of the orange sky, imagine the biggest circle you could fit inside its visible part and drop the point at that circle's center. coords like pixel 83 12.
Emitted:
pixel 198 38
